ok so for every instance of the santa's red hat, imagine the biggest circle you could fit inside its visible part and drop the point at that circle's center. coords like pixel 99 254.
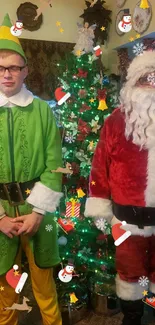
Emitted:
pixel 120 235
pixel 61 96
pixel 16 280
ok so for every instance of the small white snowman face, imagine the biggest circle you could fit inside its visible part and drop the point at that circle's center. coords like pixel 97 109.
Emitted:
pixel 19 24
pixel 127 19
pixel 69 268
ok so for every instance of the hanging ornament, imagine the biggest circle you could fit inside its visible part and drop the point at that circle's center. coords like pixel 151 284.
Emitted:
pixel 82 73
pixel 84 108
pixel 73 208
pixel 91 146
pixel 102 100
pixel 80 192
pixel 82 93
pixel 95 126
pixel 73 298
pixel 144 4
pixel 83 127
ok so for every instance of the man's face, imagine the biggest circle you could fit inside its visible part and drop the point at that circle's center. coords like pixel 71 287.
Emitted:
pixel 11 82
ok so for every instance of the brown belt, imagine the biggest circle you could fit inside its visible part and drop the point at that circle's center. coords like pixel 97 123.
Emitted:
pixel 16 193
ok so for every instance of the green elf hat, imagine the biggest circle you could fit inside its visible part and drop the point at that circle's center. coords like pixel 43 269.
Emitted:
pixel 7 40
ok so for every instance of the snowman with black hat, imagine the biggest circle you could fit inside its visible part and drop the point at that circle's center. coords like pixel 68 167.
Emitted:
pixel 125 25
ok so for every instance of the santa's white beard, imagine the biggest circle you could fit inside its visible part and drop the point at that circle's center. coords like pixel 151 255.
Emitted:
pixel 138 104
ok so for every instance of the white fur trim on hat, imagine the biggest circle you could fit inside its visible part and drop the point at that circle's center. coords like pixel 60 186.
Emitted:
pixel 129 290
pixel 98 208
pixel 44 198
pixel 141 65
pixel 64 98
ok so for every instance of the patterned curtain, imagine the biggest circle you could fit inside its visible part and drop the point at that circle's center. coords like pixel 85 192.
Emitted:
pixel 43 57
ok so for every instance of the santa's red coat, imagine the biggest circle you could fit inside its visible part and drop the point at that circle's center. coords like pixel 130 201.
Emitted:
pixel 120 171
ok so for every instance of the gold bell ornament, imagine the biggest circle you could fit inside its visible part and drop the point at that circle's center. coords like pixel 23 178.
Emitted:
pixel 144 4
pixel 102 100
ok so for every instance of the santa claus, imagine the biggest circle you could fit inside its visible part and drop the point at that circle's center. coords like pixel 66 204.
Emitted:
pixel 123 171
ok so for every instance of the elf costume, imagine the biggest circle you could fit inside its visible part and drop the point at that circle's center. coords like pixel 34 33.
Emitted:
pixel 124 190
pixel 30 147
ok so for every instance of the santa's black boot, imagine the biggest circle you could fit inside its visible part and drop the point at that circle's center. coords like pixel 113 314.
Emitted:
pixel 132 311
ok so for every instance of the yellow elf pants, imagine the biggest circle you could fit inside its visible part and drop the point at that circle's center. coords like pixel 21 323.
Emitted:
pixel 44 290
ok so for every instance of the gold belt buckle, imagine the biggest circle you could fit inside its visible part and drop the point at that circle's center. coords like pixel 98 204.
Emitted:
pixel 13 189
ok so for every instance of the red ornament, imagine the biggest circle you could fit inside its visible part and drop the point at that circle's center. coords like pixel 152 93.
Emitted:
pixel 102 93
pixel 82 73
pixel 85 108
pixel 83 127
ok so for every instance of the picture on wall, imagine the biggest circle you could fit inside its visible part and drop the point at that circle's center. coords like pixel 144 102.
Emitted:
pixel 141 18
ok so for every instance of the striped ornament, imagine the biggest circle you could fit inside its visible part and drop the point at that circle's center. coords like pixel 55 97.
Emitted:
pixel 72 209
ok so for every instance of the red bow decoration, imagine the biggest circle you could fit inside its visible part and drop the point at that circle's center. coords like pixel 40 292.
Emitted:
pixel 102 93
pixel 83 127
pixel 84 108
pixel 82 73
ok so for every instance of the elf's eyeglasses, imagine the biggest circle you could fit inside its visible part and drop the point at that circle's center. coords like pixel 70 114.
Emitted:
pixel 13 70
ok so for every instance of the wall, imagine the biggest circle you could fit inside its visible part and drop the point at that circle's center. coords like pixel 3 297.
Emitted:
pixel 66 11
pixel 114 39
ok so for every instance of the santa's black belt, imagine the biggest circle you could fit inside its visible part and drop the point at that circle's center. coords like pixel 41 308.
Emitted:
pixel 16 193
pixel 139 216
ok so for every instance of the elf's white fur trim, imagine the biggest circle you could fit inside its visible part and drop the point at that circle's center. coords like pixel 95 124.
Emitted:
pixel 146 232
pixel 150 188
pixel 44 198
pixel 129 290
pixel 141 65
pixel 98 208
pixel 152 287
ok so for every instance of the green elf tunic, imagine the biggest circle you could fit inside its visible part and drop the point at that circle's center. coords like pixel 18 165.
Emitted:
pixel 30 147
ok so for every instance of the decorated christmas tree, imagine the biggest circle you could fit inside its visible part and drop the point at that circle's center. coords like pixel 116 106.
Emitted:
pixel 85 98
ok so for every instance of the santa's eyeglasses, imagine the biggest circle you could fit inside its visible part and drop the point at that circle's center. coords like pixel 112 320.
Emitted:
pixel 13 70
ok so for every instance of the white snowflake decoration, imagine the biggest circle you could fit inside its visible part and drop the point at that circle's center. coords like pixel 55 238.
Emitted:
pixel 138 49
pixel 143 281
pixel 151 79
pixel 69 138
pixel 101 224
pixel 49 228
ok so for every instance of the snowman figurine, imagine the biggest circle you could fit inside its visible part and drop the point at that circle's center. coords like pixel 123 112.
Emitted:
pixel 16 30
pixel 66 274
pixel 125 25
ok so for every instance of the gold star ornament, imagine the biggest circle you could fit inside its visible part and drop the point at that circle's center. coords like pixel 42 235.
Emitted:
pixel 1 288
pixel 145 293
pixel 102 28
pixel 92 100
pixel 78 53
pixel 93 183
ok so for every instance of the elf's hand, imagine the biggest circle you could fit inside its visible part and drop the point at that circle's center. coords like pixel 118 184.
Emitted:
pixel 31 223
pixel 9 228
